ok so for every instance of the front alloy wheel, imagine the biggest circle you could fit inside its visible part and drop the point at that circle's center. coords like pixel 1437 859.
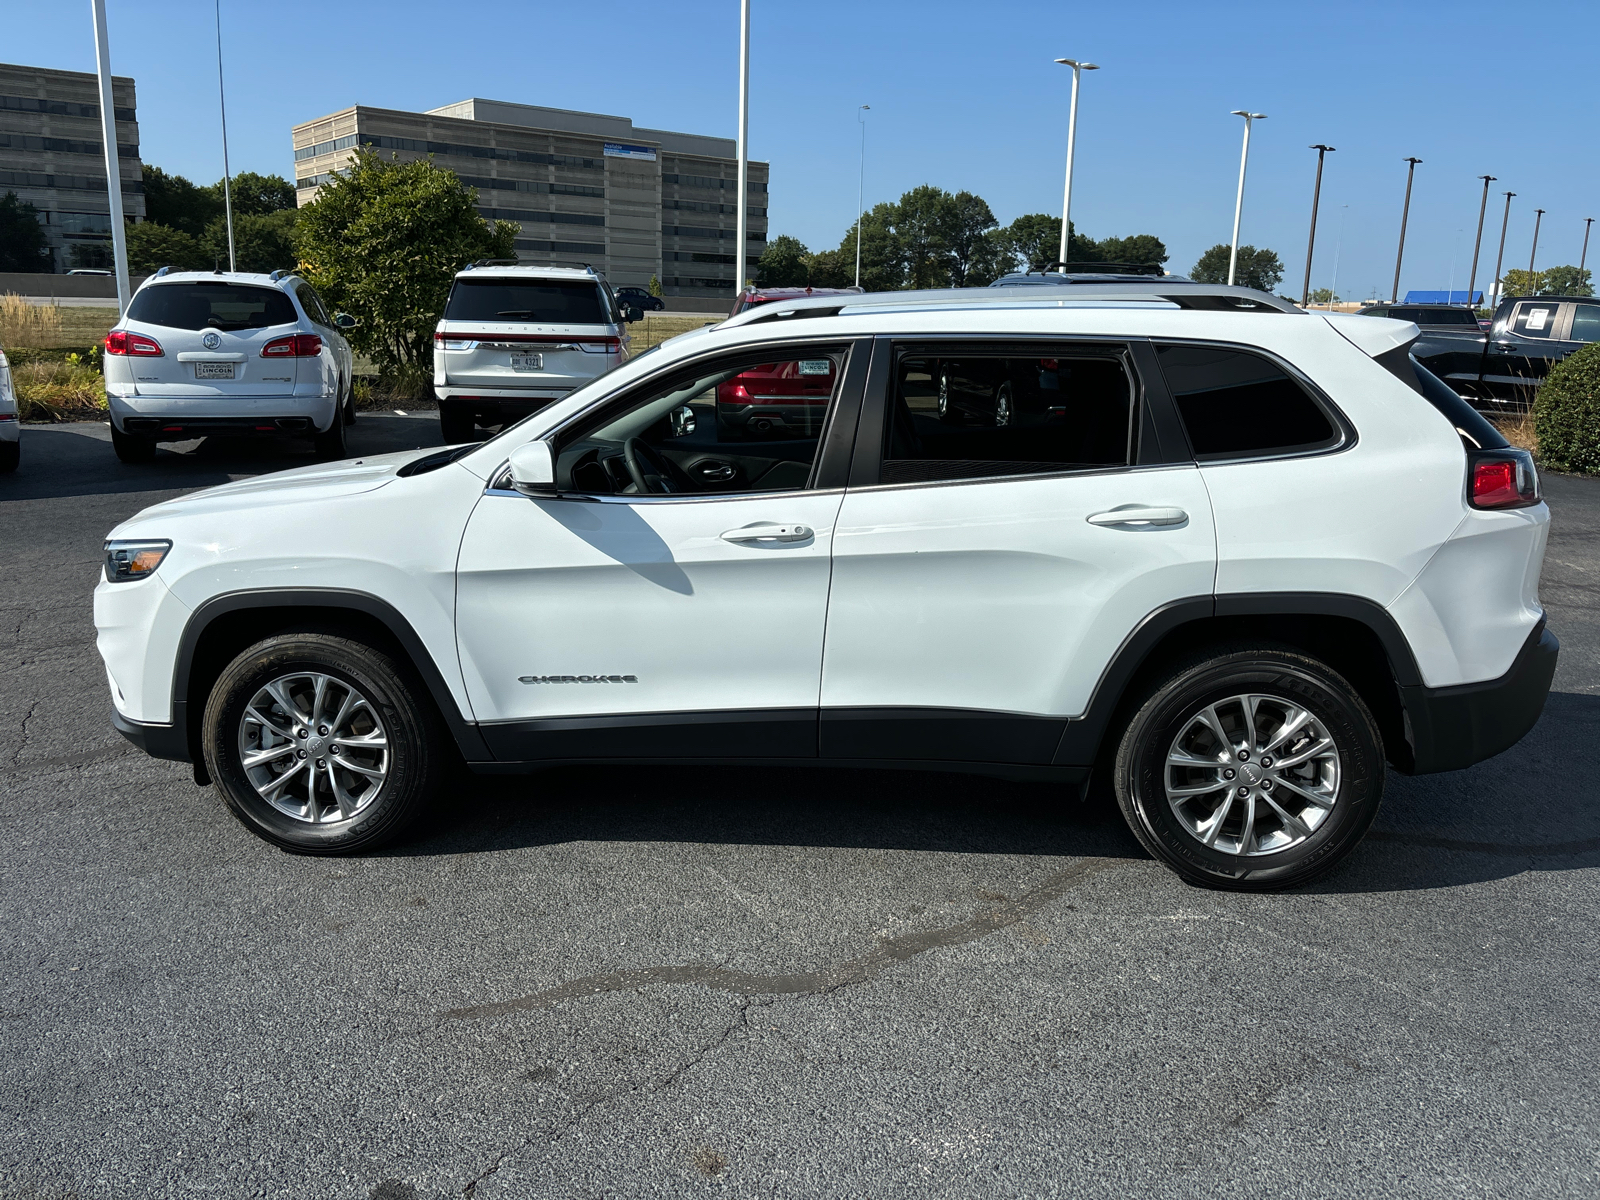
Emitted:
pixel 321 743
pixel 1251 768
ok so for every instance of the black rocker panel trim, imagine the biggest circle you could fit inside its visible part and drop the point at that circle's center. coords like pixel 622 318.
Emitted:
pixel 938 735
pixel 778 733
pixel 464 731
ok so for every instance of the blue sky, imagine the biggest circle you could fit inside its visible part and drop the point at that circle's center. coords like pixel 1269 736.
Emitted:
pixel 963 95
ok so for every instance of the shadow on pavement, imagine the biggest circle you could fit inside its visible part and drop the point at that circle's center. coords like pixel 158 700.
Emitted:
pixel 1532 808
pixel 76 459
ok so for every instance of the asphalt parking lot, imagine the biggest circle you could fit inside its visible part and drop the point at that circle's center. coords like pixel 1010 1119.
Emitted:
pixel 683 982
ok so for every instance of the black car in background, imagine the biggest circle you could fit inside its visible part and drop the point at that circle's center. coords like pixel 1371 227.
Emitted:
pixel 1499 370
pixel 640 299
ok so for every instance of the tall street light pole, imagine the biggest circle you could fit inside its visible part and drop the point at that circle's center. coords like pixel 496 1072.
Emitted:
pixel 1405 214
pixel 1584 257
pixel 1250 119
pixel 1505 223
pixel 1072 140
pixel 227 185
pixel 108 130
pixel 742 222
pixel 1538 217
pixel 1311 241
pixel 1483 207
pixel 861 184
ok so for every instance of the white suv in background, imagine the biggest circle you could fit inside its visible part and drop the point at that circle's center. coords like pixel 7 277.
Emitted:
pixel 10 431
pixel 1227 556
pixel 213 352
pixel 516 338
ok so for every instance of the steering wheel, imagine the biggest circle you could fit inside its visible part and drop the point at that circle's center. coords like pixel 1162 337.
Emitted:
pixel 651 471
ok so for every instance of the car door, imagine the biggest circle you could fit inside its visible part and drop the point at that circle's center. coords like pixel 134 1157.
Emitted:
pixel 984 576
pixel 618 620
pixel 1522 348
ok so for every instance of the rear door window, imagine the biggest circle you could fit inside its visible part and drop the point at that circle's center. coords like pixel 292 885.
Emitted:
pixel 312 303
pixel 1585 323
pixel 966 413
pixel 1535 319
pixel 535 301
pixel 202 304
pixel 1235 404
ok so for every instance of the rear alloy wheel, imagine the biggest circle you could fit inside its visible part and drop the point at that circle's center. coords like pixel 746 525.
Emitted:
pixel 10 456
pixel 331 445
pixel 456 423
pixel 1251 770
pixel 1002 406
pixel 132 449
pixel 322 744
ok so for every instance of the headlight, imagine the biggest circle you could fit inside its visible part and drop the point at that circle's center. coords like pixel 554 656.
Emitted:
pixel 133 560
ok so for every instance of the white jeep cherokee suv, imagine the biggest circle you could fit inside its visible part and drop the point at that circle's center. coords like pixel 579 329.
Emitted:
pixel 211 352
pixel 516 338
pixel 1229 556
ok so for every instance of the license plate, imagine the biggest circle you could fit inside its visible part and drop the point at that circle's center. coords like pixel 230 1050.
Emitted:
pixel 213 370
pixel 527 362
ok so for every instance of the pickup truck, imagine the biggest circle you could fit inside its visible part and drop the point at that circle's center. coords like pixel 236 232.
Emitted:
pixel 1500 370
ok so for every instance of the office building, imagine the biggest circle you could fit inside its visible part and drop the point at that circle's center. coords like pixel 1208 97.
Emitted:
pixel 584 187
pixel 52 155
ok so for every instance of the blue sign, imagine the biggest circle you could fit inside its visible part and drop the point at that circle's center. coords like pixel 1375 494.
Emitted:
pixel 622 150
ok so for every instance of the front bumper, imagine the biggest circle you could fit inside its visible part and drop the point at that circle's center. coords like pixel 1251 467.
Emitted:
pixel 1452 728
pixel 158 741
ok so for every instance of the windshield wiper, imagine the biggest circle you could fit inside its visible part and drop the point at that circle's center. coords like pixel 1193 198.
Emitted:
pixel 516 312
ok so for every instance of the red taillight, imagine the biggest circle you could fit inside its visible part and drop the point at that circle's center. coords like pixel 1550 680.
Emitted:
pixel 137 345
pixel 296 345
pixel 1048 364
pixel 1503 479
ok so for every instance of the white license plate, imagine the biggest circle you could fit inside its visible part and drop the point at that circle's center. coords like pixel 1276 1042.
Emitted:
pixel 212 370
pixel 527 362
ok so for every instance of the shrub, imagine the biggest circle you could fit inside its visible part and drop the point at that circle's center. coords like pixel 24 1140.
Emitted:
pixel 59 391
pixel 1566 414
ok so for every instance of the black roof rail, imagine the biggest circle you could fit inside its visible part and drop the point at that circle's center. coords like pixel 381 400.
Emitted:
pixel 495 262
pixel 1099 268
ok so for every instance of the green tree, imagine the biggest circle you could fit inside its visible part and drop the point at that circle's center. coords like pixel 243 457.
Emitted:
pixel 654 286
pixel 1566 281
pixel 1034 240
pixel 832 268
pixel 22 242
pixel 91 254
pixel 973 259
pixel 1323 296
pixel 261 242
pixel 1139 250
pixel 383 241
pixel 1566 413
pixel 173 201
pixel 783 263
pixel 883 264
pixel 256 195
pixel 152 246
pixel 1521 283
pixel 1259 269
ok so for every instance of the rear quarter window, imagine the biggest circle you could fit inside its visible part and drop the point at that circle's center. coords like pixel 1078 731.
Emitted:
pixel 1235 404
pixel 203 304
pixel 535 301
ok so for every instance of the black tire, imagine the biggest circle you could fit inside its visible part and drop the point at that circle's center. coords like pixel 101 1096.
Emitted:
pixel 456 423
pixel 132 449
pixel 10 456
pixel 418 752
pixel 331 445
pixel 1140 773
pixel 349 408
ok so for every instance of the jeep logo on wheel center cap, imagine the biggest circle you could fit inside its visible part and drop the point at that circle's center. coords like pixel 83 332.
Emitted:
pixel 314 745
pixel 1250 773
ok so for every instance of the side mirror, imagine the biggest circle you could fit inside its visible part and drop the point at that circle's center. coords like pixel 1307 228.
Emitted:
pixel 533 469
pixel 344 321
pixel 682 421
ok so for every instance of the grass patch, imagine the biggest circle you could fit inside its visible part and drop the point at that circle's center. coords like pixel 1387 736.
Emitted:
pixel 1520 430
pixel 69 390
pixel 658 327
pixel 51 326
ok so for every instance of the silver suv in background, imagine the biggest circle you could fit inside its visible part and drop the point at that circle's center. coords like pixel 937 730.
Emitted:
pixel 201 353
pixel 10 434
pixel 515 338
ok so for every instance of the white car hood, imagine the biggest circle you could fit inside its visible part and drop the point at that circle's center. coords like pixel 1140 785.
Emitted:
pixel 303 485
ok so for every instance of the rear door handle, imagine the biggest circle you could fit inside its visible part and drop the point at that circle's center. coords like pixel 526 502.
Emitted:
pixel 1138 515
pixel 769 533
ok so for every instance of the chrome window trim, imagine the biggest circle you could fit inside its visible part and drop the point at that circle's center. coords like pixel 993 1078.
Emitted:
pixel 1029 476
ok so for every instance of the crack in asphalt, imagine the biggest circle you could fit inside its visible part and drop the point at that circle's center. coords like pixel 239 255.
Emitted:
pixel 16 755
pixel 856 970
pixel 741 1018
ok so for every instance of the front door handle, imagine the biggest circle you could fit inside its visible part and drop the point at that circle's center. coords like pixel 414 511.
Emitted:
pixel 1138 515
pixel 769 533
